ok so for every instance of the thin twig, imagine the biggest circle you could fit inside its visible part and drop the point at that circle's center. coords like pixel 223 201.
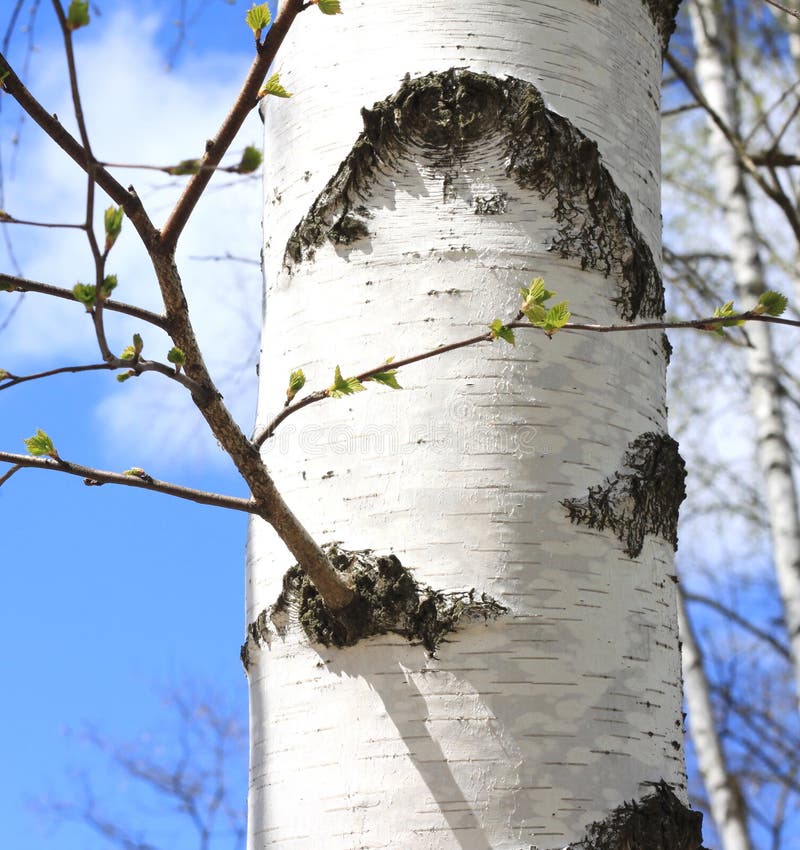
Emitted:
pixel 783 8
pixel 136 366
pixel 5 218
pixel 245 102
pixel 10 283
pixel 706 324
pixel 139 480
pixel 4 478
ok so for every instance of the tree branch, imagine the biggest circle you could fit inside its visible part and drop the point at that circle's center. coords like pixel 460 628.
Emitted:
pixel 246 100
pixel 140 480
pixel 126 198
pixel 707 324
pixel 10 283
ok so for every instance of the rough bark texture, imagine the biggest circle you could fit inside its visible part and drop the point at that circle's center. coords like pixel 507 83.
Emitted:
pixel 447 113
pixel 659 821
pixel 642 498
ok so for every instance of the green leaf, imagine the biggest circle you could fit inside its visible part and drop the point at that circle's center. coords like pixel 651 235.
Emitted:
pixel 772 303
pixel 108 285
pixel 251 159
pixel 184 167
pixel 258 18
pixel 138 345
pixel 387 378
pixel 85 293
pixel 329 7
pixel 113 225
pixel 344 386
pixel 534 313
pixel 727 309
pixel 128 353
pixel 40 444
pixel 177 357
pixel 500 331
pixel 557 316
pixel 123 376
pixel 77 15
pixel 273 86
pixel 297 380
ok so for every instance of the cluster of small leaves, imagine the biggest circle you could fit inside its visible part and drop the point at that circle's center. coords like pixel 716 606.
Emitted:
pixel 89 295
pixel 113 225
pixel 770 303
pixel 176 357
pixel 258 19
pixel 132 352
pixel 549 319
pixel 273 86
pixel 297 380
pixel 344 386
pixel 40 445
pixel 347 386
pixel 77 15
pixel 501 331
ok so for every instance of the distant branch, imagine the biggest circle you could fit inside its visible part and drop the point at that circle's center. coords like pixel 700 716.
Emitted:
pixel 139 480
pixel 783 8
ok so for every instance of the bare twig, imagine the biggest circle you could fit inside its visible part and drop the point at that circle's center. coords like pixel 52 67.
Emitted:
pixel 141 481
pixel 136 366
pixel 783 8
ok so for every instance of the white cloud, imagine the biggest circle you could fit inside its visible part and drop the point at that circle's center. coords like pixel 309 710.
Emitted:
pixel 137 113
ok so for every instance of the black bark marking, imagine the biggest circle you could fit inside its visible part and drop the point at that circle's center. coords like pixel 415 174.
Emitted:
pixel 659 821
pixel 444 114
pixel 643 498
pixel 663 14
pixel 388 599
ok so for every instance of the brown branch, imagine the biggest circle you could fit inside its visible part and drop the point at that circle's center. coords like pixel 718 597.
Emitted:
pixel 137 366
pixel 245 102
pixel 141 481
pixel 4 478
pixel 10 283
pixel 126 198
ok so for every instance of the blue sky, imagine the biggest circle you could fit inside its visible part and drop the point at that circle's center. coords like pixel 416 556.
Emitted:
pixel 111 597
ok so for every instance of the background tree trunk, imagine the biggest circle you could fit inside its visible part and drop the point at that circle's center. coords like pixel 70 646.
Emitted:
pixel 462 189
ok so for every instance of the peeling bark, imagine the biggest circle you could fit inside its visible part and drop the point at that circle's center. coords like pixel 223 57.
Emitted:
pixel 446 113
pixel 641 499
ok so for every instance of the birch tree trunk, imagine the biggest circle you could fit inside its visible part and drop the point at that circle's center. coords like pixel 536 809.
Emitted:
pixel 724 796
pixel 497 143
pixel 774 452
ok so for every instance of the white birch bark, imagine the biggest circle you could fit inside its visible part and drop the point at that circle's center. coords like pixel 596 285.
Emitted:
pixel 521 731
pixel 774 453
pixel 724 796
